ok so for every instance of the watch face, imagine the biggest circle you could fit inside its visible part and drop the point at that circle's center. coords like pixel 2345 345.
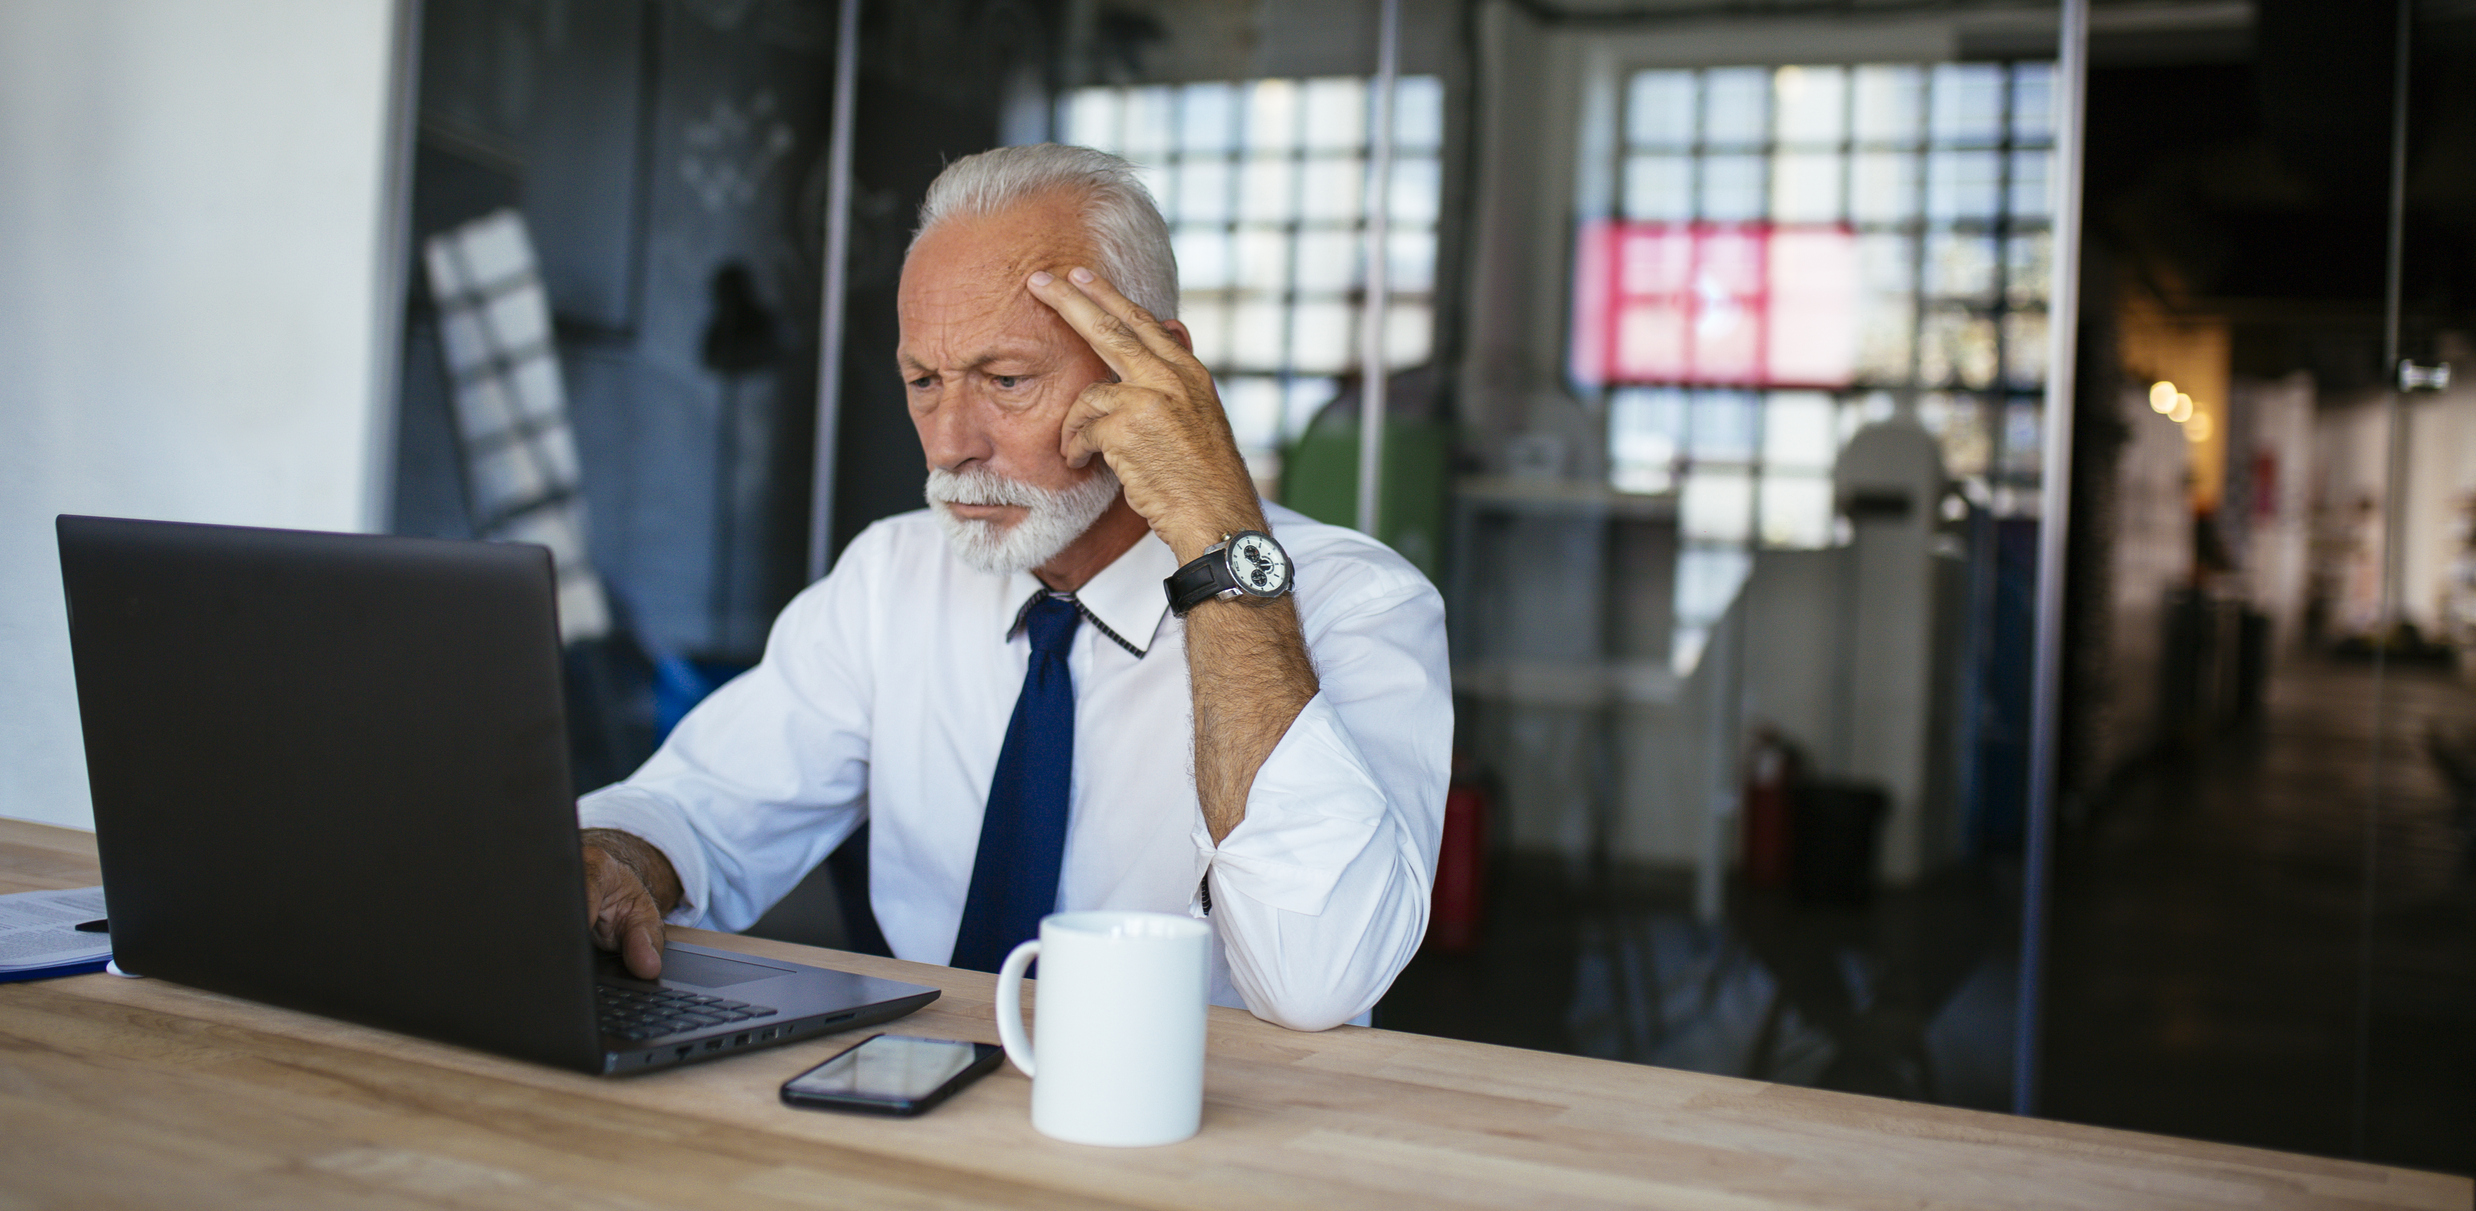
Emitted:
pixel 1259 563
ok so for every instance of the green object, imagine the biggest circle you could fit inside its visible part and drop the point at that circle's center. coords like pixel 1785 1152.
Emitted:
pixel 1319 477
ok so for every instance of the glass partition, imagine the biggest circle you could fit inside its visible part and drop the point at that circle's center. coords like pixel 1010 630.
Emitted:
pixel 1715 373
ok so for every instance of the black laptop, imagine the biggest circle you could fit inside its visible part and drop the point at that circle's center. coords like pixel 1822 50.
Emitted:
pixel 330 773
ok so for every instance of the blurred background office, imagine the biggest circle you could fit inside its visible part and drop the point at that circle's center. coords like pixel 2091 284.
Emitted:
pixel 1715 342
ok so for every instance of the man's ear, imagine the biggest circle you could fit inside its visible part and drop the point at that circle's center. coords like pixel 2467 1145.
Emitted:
pixel 1177 330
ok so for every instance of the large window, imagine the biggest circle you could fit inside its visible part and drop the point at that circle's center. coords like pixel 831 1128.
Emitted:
pixel 1264 184
pixel 1793 252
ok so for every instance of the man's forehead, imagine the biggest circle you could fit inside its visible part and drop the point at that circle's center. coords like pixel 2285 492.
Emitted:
pixel 984 258
pixel 964 279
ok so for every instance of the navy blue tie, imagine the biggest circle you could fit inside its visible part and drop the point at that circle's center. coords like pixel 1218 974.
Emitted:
pixel 1023 831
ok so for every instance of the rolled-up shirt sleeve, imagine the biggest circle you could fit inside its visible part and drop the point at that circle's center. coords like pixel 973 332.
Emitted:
pixel 1320 895
pixel 768 774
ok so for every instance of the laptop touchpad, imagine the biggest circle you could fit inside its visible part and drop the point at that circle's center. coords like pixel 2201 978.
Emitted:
pixel 706 971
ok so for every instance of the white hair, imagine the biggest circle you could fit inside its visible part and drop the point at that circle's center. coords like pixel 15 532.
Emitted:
pixel 1129 237
pixel 1054 521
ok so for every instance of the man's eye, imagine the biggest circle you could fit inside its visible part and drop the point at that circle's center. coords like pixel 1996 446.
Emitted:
pixel 924 382
pixel 1006 382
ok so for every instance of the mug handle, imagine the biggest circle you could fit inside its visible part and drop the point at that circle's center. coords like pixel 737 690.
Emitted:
pixel 1010 1004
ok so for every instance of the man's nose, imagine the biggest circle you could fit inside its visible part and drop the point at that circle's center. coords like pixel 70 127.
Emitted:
pixel 956 432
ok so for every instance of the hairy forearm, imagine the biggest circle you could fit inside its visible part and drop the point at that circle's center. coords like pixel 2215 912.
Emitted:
pixel 637 854
pixel 1247 661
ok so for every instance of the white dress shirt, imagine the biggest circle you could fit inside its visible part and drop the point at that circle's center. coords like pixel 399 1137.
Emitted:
pixel 1318 897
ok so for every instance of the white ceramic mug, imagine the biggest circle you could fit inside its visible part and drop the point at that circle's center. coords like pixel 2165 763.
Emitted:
pixel 1120 1055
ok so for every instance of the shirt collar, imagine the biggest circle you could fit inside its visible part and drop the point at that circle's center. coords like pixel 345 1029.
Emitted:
pixel 1126 600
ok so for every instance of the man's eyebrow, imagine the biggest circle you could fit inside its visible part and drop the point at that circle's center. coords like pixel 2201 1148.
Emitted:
pixel 985 357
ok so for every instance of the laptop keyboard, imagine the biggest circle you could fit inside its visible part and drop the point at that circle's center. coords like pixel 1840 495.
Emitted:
pixel 637 1014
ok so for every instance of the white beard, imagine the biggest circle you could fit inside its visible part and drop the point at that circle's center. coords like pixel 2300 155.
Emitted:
pixel 1053 522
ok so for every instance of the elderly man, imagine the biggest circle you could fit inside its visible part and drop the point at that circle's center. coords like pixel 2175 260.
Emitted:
pixel 1096 672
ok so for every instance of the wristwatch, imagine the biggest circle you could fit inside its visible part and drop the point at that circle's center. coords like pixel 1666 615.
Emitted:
pixel 1248 562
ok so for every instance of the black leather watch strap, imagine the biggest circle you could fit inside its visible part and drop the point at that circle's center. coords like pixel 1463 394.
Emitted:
pixel 1203 578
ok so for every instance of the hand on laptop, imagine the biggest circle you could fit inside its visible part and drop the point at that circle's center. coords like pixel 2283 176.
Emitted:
pixel 628 886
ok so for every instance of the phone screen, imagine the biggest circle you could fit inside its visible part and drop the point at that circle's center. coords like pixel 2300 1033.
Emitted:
pixel 892 1072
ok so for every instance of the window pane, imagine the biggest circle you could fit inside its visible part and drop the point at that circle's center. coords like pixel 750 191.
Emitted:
pixel 1959 426
pixel 1202 191
pixel 1960 265
pixel 1418 114
pixel 1796 511
pixel 1963 185
pixel 1716 506
pixel 1272 116
pixel 1659 188
pixel 1332 187
pixel 1645 428
pixel 1203 258
pixel 1887 105
pixel 1418 183
pixel 2025 267
pixel 1736 106
pixel 1797 431
pixel 1956 348
pixel 2033 102
pixel 1805 186
pixel 1813 104
pixel 1886 315
pixel 1267 190
pixel 1208 321
pixel 1660 110
pixel 2024 437
pixel 1254 408
pixel 1321 333
pixel 1883 187
pixel 1255 335
pixel 1207 118
pixel 1149 129
pixel 1723 426
pixel 1412 267
pixel 1263 260
pixel 1968 103
pixel 1336 113
pixel 1409 333
pixel 1090 118
pixel 1328 259
pixel 2024 348
pixel 1732 187
pixel 2031 198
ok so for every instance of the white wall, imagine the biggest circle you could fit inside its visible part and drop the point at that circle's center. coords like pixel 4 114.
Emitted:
pixel 190 223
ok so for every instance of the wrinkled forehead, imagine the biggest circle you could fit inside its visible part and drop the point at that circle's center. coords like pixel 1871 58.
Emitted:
pixel 981 262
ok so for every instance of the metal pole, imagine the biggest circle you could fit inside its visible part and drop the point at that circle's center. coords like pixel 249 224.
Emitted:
pixel 2393 567
pixel 2054 523
pixel 395 237
pixel 1379 286
pixel 830 299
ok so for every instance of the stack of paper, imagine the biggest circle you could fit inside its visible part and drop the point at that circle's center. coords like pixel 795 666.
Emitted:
pixel 39 934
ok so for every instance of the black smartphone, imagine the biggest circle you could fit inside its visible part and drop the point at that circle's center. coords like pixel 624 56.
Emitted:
pixel 892 1074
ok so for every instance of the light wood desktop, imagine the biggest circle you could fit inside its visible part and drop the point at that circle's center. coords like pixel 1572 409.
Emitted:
pixel 143 1093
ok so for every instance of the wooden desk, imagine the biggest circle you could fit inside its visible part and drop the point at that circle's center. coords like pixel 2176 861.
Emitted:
pixel 143 1093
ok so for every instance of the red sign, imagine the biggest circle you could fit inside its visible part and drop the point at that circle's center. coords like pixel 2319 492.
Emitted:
pixel 1738 304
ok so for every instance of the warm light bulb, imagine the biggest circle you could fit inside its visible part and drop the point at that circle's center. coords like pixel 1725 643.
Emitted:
pixel 2197 429
pixel 2162 397
pixel 2181 409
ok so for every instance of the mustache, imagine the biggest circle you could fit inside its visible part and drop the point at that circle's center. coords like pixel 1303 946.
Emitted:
pixel 981 486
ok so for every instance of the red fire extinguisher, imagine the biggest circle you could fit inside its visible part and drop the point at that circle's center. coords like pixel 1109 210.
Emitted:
pixel 1770 772
pixel 1460 897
